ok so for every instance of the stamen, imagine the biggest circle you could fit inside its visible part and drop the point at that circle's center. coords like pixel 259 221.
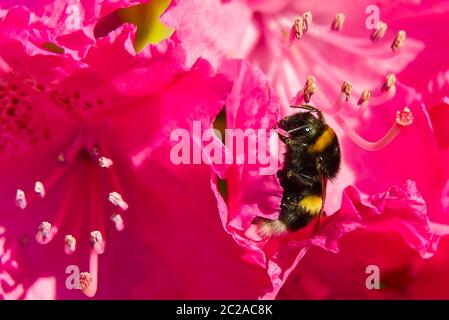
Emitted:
pixel 118 221
pixel 390 81
pixel 301 25
pixel 404 118
pixel 298 27
pixel 365 97
pixel 105 162
pixel 70 244
pixel 114 197
pixel 399 41
pixel 305 93
pixel 21 200
pixel 338 22
pixel 343 98
pixel 39 189
pixel 307 20
pixel 42 187
pixel 309 88
pixel 89 280
pixel 117 200
pixel 379 31
pixel 364 101
pixel 346 88
pixel 96 242
pixel 45 233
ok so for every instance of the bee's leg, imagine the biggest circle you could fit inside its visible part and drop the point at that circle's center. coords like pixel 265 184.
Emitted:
pixel 306 107
pixel 311 109
pixel 284 138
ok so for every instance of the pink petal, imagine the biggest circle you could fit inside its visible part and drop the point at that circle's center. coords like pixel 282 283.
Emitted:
pixel 210 30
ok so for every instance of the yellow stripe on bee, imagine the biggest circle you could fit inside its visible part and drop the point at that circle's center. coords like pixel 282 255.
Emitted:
pixel 312 204
pixel 323 141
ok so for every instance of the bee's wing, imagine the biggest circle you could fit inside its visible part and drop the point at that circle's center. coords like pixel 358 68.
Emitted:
pixel 323 179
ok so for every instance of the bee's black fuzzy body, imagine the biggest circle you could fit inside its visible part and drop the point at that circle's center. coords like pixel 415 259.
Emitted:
pixel 312 157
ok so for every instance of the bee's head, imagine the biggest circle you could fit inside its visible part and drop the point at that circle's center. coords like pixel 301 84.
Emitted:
pixel 302 124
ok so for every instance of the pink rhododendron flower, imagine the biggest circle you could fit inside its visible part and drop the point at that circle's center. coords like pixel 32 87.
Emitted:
pixel 91 120
pixel 88 183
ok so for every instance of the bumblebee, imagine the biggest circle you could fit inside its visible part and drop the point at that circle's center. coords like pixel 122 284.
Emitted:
pixel 312 157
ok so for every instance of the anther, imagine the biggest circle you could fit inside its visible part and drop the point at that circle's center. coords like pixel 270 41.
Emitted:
pixel 302 24
pixel 307 20
pixel 379 32
pixel 338 22
pixel 96 242
pixel 105 162
pixel 117 200
pixel 21 200
pixel 404 118
pixel 39 189
pixel 365 96
pixel 390 81
pixel 399 41
pixel 309 88
pixel 44 233
pixel 346 88
pixel 118 221
pixel 69 244
pixel 298 27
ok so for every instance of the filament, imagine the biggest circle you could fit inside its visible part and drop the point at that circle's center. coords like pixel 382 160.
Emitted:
pixel 367 145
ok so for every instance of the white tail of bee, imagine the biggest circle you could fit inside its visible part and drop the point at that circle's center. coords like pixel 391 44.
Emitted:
pixel 271 228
